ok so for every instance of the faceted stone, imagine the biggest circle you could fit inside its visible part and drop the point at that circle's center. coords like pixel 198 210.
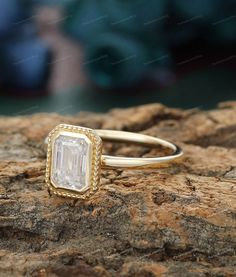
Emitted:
pixel 70 162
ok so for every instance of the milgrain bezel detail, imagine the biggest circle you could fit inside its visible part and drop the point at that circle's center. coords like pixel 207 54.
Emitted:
pixel 96 149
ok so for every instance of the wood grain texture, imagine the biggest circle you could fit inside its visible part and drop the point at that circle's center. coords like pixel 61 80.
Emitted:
pixel 173 221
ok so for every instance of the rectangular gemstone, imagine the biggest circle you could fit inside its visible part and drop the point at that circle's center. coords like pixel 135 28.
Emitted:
pixel 70 162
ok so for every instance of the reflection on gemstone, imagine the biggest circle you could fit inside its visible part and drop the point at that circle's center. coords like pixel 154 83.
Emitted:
pixel 70 162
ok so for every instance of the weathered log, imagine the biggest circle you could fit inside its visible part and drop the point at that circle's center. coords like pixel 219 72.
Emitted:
pixel 173 221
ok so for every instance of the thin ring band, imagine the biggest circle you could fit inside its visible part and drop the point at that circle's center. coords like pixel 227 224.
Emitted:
pixel 123 136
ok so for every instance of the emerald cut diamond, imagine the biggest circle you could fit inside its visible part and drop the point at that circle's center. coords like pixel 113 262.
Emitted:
pixel 70 162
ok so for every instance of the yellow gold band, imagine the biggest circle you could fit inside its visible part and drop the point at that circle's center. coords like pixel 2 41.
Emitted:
pixel 145 140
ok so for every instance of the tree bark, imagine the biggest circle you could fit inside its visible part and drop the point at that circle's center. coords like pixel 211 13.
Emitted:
pixel 173 221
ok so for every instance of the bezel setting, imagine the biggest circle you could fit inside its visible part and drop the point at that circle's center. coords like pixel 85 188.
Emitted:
pixel 93 162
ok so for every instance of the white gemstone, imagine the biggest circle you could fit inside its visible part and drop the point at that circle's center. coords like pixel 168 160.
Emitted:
pixel 70 162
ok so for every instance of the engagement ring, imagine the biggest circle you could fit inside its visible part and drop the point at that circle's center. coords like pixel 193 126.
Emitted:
pixel 74 158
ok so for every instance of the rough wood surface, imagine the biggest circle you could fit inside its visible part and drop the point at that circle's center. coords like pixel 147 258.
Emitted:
pixel 174 221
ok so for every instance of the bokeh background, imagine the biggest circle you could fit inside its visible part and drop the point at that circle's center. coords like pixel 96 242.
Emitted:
pixel 68 56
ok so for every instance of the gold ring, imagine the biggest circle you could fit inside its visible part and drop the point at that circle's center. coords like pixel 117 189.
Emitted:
pixel 74 158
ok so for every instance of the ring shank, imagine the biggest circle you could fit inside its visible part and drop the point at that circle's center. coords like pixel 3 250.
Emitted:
pixel 123 136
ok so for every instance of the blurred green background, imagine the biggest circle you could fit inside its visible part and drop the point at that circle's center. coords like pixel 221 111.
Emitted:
pixel 71 56
pixel 201 89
